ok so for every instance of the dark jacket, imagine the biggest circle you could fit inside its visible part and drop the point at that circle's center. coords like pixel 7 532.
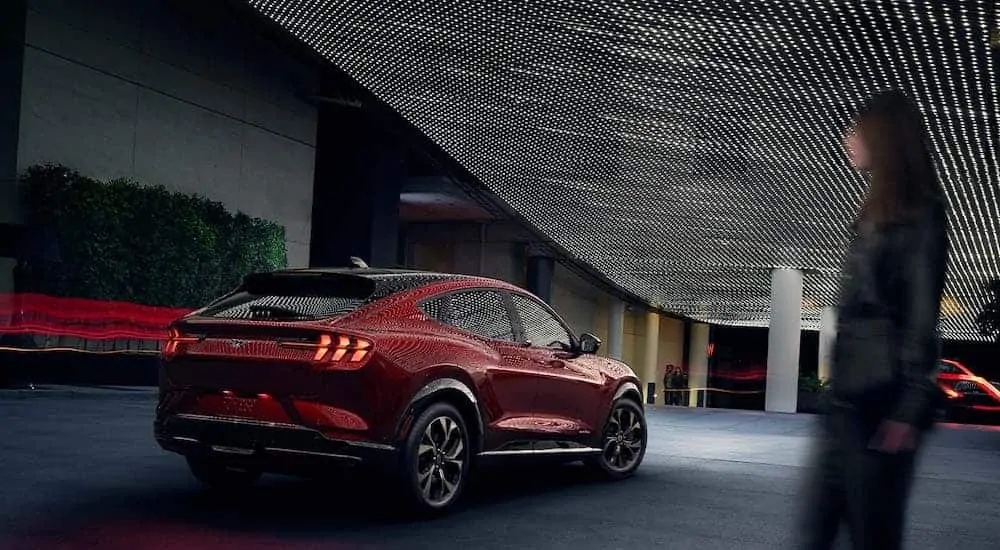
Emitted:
pixel 887 348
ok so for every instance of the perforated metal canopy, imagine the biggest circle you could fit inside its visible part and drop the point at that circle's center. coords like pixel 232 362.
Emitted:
pixel 686 148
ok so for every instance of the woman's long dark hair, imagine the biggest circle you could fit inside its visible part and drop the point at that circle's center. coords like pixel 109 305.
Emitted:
pixel 902 175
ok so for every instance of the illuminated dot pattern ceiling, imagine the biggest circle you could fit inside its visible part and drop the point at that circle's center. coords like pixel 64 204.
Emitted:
pixel 686 148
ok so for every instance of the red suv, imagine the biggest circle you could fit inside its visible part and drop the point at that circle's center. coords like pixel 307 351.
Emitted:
pixel 423 374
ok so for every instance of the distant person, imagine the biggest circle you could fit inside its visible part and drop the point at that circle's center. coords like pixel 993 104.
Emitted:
pixel 883 394
pixel 676 385
pixel 668 385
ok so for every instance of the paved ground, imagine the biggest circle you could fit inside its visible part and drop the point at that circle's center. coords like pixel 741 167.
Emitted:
pixel 85 473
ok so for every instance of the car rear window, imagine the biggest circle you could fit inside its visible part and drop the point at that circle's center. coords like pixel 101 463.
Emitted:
pixel 293 297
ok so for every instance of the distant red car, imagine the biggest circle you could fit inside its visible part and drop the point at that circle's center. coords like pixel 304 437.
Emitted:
pixel 966 390
pixel 422 374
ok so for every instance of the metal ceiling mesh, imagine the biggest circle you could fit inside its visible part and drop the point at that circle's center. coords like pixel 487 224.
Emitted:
pixel 686 148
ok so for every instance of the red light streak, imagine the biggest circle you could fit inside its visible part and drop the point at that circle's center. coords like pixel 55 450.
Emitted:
pixel 41 315
pixel 84 351
pixel 86 319
pixel 749 374
pixel 716 390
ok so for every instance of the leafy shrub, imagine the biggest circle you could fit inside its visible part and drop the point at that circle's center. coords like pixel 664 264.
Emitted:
pixel 812 383
pixel 124 241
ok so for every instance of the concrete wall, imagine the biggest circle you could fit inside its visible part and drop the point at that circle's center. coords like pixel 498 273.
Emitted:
pixel 12 21
pixel 580 304
pixel 172 93
pixel 671 349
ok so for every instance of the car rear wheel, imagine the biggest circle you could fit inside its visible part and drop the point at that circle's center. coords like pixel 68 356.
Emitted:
pixel 218 475
pixel 623 441
pixel 436 459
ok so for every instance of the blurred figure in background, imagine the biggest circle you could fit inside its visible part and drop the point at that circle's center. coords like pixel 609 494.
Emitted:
pixel 883 395
pixel 668 384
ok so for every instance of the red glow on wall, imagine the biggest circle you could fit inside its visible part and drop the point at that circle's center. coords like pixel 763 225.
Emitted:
pixel 742 374
pixel 41 315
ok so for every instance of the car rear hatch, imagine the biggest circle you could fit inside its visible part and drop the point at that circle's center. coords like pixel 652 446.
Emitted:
pixel 271 351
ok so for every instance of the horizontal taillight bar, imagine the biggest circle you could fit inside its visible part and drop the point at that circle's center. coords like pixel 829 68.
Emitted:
pixel 336 349
pixel 175 339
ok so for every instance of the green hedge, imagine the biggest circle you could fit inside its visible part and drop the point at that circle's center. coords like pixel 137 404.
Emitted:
pixel 144 244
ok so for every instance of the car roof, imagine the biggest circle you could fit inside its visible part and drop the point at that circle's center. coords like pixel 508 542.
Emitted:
pixel 391 281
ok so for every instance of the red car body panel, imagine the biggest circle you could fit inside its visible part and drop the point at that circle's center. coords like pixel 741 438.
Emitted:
pixel 267 373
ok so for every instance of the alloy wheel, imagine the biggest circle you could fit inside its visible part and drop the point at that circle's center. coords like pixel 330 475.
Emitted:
pixel 623 439
pixel 441 457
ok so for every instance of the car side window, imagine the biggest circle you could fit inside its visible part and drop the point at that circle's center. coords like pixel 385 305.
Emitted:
pixel 541 328
pixel 481 312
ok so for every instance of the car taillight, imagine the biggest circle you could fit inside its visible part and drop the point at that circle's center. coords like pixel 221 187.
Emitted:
pixel 174 340
pixel 336 351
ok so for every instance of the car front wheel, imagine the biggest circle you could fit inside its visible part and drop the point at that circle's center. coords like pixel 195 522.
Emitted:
pixel 623 441
pixel 436 459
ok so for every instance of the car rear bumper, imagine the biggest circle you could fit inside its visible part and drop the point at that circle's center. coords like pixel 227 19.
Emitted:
pixel 268 446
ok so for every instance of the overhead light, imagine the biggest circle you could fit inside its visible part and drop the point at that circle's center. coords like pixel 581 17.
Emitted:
pixel 950 307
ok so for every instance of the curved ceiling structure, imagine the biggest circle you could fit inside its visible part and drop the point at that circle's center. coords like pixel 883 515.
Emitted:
pixel 686 148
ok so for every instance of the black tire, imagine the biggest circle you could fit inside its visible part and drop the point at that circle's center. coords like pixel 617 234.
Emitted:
pixel 219 476
pixel 623 441
pixel 435 461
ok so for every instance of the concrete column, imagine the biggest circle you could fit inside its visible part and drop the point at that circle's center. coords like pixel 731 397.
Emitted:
pixel 783 339
pixel 13 17
pixel 697 349
pixel 359 174
pixel 616 328
pixel 652 353
pixel 540 270
pixel 827 337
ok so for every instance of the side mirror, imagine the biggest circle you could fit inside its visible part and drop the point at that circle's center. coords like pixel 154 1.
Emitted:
pixel 589 343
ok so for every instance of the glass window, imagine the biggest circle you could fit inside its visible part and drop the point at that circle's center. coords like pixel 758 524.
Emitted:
pixel 293 297
pixel 541 328
pixel 481 312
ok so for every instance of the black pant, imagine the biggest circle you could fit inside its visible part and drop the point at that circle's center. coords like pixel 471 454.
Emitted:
pixel 852 484
pixel 677 397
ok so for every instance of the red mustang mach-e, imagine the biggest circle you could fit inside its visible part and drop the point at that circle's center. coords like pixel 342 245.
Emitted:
pixel 422 374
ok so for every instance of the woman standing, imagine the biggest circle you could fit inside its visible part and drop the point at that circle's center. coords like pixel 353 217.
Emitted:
pixel 883 391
